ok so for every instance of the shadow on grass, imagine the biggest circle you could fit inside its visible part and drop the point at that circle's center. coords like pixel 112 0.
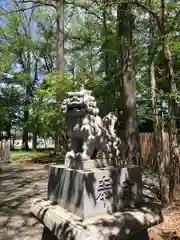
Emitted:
pixel 37 150
pixel 51 158
pixel 37 157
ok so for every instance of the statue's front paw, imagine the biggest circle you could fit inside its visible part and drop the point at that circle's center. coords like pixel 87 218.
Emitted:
pixel 84 157
pixel 70 155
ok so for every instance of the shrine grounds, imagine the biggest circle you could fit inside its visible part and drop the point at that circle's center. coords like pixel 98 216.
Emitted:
pixel 26 178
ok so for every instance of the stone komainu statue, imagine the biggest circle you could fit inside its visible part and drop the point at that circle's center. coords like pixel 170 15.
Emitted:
pixel 90 136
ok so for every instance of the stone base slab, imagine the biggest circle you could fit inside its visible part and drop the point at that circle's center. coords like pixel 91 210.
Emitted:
pixel 88 193
pixel 121 225
pixel 87 164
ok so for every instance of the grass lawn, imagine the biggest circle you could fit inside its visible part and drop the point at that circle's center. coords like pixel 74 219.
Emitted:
pixel 28 155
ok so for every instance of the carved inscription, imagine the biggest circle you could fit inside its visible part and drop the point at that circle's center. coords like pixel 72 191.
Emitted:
pixel 127 186
pixel 104 189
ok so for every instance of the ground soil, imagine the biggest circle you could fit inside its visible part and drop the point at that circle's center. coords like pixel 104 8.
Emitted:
pixel 22 182
pixel 170 228
pixel 19 185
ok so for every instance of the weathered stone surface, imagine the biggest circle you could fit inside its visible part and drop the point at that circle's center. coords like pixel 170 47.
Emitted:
pixel 87 164
pixel 90 136
pixel 121 225
pixel 92 192
pixel 143 235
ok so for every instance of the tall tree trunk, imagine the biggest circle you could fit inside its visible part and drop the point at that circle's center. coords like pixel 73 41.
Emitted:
pixel 34 143
pixel 25 145
pixel 9 136
pixel 59 54
pixel 105 45
pixel 60 36
pixel 159 159
pixel 174 150
pixel 9 131
pixel 12 143
pixel 28 98
pixel 126 26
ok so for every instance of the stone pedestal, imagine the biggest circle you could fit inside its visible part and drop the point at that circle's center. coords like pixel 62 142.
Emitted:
pixel 88 193
pixel 96 204
pixel 125 225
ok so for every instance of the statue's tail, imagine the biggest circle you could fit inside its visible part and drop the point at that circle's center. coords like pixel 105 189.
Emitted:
pixel 109 122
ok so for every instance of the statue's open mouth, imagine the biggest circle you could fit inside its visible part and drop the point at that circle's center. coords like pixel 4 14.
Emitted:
pixel 76 107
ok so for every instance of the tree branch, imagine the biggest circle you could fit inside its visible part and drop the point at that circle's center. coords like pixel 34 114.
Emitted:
pixel 23 9
pixel 36 5
pixel 38 2
pixel 85 7
pixel 147 9
pixel 176 18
